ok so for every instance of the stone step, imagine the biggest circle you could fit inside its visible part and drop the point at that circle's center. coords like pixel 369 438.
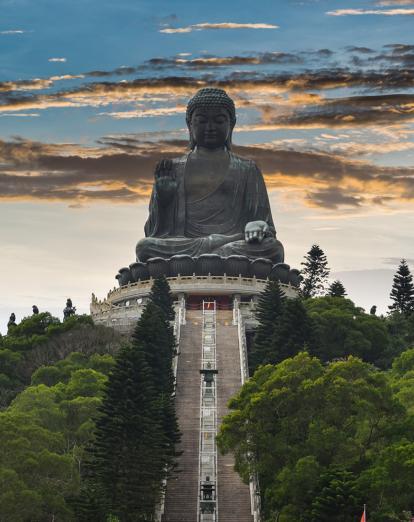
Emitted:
pixel 233 495
pixel 182 491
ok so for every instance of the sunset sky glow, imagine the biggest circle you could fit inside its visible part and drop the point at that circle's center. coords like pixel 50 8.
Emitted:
pixel 93 94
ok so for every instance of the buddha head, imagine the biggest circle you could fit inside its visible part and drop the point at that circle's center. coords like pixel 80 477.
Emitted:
pixel 211 117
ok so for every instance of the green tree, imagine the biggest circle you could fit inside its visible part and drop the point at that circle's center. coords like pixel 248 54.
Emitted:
pixel 293 332
pixel 41 340
pixel 337 496
pixel 402 292
pixel 124 479
pixel 161 296
pixel 269 307
pixel 401 330
pixel 17 501
pixel 127 459
pixel 42 438
pixel 302 420
pixel 315 272
pixel 388 482
pixel 153 335
pixel 342 329
pixel 337 289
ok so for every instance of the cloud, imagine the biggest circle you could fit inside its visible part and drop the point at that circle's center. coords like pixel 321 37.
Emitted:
pixel 400 48
pixel 310 79
pixel 20 115
pixel 361 149
pixel 57 60
pixel 249 89
pixel 362 50
pixel 13 31
pixel 36 83
pixel 206 62
pixel 343 112
pixel 358 12
pixel 396 54
pixel 395 2
pixel 68 172
pixel 120 170
pixel 223 25
pixel 145 113
pixel 332 198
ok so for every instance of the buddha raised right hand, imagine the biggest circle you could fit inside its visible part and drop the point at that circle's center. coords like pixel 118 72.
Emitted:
pixel 165 181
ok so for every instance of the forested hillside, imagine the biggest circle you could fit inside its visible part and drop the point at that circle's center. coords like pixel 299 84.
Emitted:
pixel 87 427
pixel 329 412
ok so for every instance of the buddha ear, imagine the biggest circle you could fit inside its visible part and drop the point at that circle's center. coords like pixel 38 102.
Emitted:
pixel 193 143
pixel 229 137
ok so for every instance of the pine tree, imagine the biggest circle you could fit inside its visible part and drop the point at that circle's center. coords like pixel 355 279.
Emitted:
pixel 402 292
pixel 137 430
pixel 153 335
pixel 161 295
pixel 293 333
pixel 127 459
pixel 337 289
pixel 315 273
pixel 268 310
pixel 337 497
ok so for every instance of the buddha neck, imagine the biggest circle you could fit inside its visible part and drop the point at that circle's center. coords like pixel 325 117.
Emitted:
pixel 213 154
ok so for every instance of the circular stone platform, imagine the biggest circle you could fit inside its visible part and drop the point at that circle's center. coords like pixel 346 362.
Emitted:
pixel 208 264
pixel 123 306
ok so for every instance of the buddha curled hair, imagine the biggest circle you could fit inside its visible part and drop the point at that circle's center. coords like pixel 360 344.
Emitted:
pixel 211 97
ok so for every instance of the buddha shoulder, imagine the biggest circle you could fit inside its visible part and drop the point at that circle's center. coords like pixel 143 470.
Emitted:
pixel 244 164
pixel 236 160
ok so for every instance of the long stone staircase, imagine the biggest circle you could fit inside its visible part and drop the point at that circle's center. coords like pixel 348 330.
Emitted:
pixel 181 502
pixel 233 495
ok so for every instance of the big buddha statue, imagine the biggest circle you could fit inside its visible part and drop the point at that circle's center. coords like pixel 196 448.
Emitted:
pixel 210 200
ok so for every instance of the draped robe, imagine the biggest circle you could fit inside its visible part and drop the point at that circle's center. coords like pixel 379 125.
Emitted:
pixel 214 223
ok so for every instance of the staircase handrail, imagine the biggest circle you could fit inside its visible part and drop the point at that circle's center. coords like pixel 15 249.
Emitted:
pixel 255 498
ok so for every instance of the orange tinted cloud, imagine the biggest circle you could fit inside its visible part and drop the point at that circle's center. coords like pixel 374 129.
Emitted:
pixel 120 170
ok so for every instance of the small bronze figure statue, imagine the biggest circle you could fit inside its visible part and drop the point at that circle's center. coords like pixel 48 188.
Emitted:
pixel 69 309
pixel 12 322
pixel 210 200
pixel 35 310
pixel 373 310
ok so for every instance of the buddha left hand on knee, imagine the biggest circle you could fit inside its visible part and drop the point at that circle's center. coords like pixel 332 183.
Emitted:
pixel 256 231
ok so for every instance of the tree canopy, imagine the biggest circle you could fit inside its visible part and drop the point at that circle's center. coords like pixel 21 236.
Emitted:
pixel 323 437
pixel 43 434
pixel 136 429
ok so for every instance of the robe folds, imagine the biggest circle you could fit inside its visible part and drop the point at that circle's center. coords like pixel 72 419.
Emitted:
pixel 214 223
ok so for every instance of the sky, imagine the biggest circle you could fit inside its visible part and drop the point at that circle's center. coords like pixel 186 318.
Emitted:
pixel 93 95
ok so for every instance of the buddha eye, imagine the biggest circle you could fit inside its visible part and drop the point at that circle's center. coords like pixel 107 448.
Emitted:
pixel 220 119
pixel 200 118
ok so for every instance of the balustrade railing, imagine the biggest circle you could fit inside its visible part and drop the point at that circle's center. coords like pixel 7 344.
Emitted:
pixel 244 370
pixel 207 499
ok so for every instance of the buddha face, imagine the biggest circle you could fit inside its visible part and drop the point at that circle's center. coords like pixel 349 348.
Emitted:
pixel 210 127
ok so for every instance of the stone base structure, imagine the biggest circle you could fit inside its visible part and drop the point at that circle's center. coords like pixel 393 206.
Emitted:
pixel 123 306
pixel 212 314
